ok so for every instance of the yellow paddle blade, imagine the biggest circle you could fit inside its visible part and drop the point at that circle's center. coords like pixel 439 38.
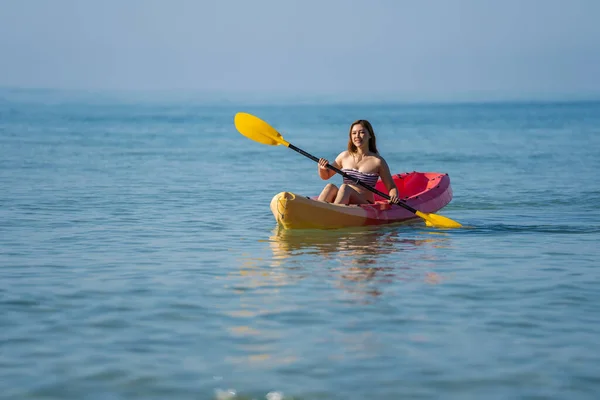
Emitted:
pixel 258 130
pixel 438 221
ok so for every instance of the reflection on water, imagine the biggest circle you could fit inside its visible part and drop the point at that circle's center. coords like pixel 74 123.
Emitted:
pixel 362 254
pixel 363 246
pixel 359 260
pixel 304 279
pixel 320 267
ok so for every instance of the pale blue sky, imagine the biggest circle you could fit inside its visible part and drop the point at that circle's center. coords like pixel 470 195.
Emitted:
pixel 396 49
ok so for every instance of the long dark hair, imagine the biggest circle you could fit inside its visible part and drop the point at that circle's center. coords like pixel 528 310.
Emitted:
pixel 372 140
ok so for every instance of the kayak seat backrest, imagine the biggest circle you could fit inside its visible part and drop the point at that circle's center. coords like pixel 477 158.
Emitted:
pixel 408 184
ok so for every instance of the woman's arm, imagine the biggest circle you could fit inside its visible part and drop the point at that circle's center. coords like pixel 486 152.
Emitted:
pixel 326 173
pixel 388 181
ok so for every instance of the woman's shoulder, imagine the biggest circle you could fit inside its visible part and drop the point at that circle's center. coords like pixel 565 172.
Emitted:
pixel 380 161
pixel 378 157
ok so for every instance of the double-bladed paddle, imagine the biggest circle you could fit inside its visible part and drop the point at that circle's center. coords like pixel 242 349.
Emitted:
pixel 258 130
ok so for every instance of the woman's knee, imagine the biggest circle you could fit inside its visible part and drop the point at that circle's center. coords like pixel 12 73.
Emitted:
pixel 344 188
pixel 328 193
pixel 343 194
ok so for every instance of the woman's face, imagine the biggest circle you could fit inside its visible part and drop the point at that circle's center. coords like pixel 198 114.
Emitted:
pixel 359 135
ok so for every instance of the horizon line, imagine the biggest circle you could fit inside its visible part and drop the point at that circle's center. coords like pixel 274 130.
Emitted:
pixel 303 98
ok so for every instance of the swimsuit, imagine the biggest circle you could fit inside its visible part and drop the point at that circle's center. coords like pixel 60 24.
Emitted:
pixel 355 175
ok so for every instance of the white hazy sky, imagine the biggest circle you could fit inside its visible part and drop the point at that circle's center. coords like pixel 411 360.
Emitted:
pixel 389 48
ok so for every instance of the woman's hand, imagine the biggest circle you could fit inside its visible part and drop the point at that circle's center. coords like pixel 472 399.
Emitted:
pixel 323 163
pixel 324 172
pixel 393 196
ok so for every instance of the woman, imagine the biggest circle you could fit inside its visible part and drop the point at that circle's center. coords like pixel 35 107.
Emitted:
pixel 361 161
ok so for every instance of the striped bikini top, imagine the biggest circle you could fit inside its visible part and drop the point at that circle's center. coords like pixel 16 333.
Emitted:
pixel 355 175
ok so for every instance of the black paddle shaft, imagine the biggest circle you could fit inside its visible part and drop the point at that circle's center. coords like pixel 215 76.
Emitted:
pixel 358 182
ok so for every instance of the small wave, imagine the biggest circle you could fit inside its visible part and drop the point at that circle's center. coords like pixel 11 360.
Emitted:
pixel 231 394
pixel 551 229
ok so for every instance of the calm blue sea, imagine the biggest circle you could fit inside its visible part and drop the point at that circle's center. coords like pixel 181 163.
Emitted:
pixel 139 258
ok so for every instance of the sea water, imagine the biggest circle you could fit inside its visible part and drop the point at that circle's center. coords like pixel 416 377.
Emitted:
pixel 139 258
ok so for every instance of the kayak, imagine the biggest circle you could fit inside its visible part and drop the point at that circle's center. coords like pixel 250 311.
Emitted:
pixel 427 192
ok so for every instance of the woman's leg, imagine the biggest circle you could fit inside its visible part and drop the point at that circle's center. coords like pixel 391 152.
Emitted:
pixel 329 192
pixel 348 195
